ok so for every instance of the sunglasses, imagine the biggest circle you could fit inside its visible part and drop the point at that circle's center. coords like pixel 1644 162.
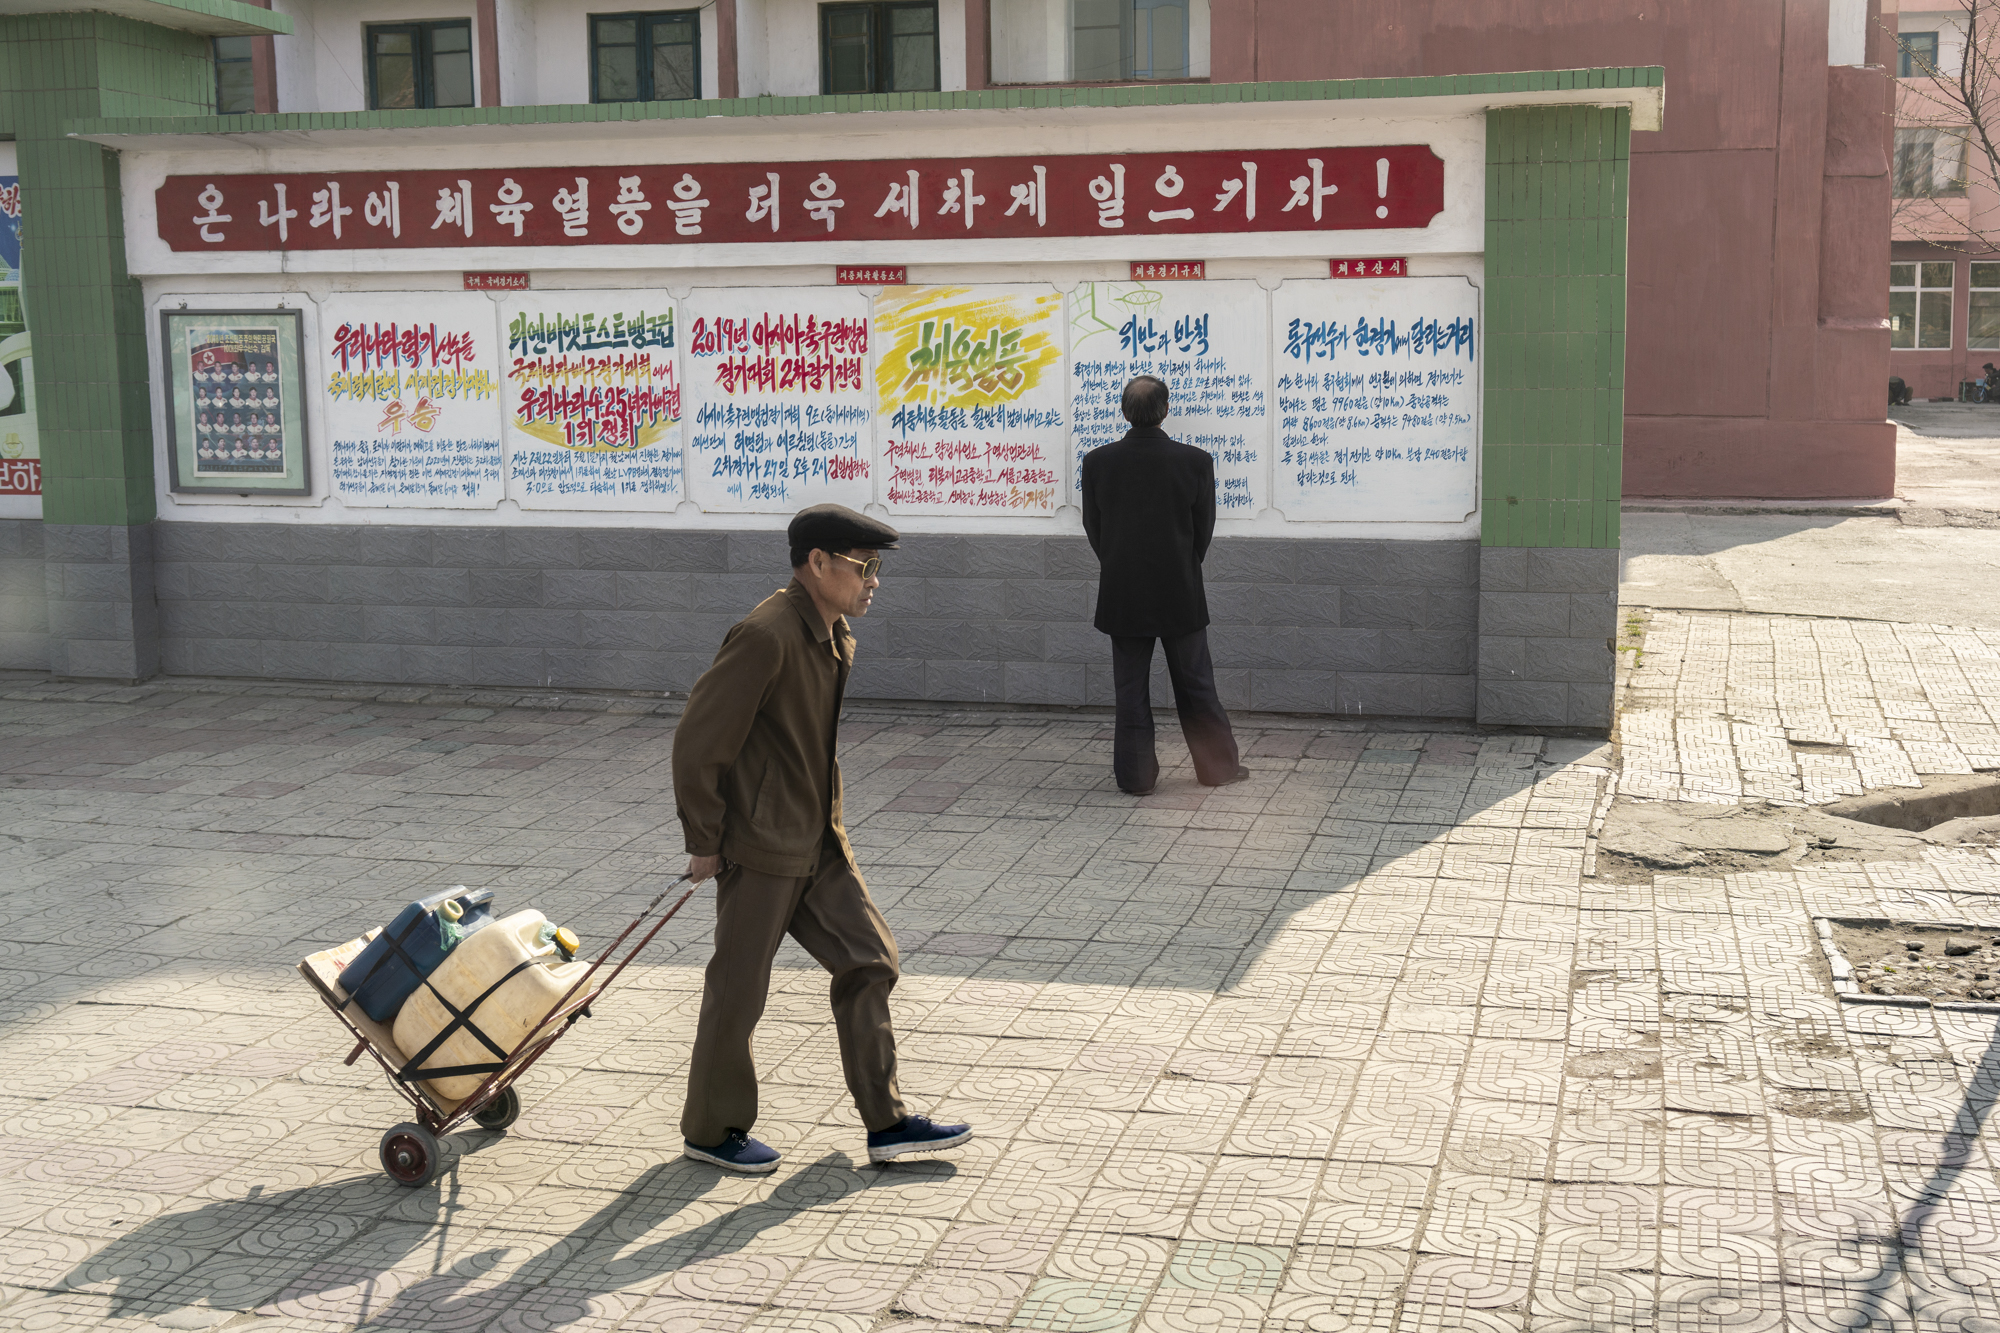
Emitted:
pixel 869 567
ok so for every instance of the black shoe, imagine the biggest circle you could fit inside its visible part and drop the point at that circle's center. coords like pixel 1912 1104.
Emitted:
pixel 914 1133
pixel 1242 775
pixel 1137 791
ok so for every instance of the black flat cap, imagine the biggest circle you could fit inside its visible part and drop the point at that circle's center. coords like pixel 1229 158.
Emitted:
pixel 837 525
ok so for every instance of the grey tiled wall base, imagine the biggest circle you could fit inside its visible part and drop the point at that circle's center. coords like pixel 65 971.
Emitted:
pixel 1320 626
pixel 1547 620
pixel 103 617
pixel 24 597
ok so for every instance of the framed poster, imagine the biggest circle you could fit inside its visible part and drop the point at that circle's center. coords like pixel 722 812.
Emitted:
pixel 593 400
pixel 1378 400
pixel 412 385
pixel 779 409
pixel 236 418
pixel 1207 341
pixel 973 412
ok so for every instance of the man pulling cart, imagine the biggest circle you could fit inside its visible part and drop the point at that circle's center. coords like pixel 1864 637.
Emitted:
pixel 758 791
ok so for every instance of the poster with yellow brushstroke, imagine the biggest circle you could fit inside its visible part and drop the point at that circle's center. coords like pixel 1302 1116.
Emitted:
pixel 973 408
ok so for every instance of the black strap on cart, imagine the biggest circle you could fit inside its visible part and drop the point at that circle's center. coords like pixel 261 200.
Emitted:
pixel 461 1018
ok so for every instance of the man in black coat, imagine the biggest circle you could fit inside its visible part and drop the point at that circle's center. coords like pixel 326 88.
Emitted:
pixel 1149 511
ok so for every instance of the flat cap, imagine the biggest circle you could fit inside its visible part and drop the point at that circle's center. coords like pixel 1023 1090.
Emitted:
pixel 837 525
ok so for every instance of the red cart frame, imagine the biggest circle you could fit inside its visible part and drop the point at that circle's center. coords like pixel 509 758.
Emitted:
pixel 409 1151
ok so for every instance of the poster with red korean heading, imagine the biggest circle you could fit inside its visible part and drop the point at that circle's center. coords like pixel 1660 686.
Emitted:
pixel 411 383
pixel 593 400
pixel 780 414
pixel 974 411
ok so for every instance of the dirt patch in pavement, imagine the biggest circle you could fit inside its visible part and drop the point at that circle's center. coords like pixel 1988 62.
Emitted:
pixel 1642 838
pixel 1821 1104
pixel 1933 962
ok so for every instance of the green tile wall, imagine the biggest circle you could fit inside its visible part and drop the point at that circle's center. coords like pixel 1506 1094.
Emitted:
pixel 84 309
pixel 1556 188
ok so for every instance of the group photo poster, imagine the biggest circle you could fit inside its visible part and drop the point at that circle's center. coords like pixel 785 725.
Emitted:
pixel 1378 400
pixel 1207 341
pixel 780 409
pixel 973 413
pixel 20 442
pixel 594 400
pixel 236 420
pixel 412 394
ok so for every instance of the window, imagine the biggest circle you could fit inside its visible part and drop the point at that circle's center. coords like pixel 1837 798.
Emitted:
pixel 235 83
pixel 1920 304
pixel 1982 308
pixel 1128 39
pixel 420 64
pixel 879 48
pixel 1916 54
pixel 1930 163
pixel 645 57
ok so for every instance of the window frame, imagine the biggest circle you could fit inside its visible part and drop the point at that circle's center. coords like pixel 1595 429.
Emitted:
pixel 880 36
pixel 1930 137
pixel 1974 290
pixel 643 52
pixel 218 60
pixel 424 58
pixel 1906 63
pixel 1918 291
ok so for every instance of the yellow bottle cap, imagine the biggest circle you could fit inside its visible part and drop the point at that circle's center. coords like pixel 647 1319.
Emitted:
pixel 451 909
pixel 566 941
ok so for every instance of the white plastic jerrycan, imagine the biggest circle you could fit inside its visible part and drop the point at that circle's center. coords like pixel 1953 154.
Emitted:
pixel 506 1016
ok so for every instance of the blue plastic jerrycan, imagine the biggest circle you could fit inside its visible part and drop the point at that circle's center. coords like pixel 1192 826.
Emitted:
pixel 380 977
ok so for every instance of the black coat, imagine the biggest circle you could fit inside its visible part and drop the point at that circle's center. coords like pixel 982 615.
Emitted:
pixel 1149 510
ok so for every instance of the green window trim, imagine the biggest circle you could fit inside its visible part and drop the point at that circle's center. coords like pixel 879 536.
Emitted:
pixel 428 78
pixel 885 47
pixel 649 35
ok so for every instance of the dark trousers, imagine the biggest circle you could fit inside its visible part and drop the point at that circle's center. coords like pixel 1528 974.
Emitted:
pixel 1203 723
pixel 831 915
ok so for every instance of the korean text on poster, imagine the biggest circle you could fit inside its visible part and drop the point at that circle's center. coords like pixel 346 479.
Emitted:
pixel 779 409
pixel 1207 341
pixel 593 400
pixel 20 444
pixel 1377 386
pixel 412 385
pixel 974 412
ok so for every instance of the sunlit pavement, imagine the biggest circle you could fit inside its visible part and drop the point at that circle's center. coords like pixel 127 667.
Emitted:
pixel 1355 1044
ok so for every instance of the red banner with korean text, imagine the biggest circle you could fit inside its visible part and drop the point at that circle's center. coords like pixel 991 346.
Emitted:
pixel 991 198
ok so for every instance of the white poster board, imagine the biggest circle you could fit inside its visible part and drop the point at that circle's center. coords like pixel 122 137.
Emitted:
pixel 411 385
pixel 1378 399
pixel 974 408
pixel 1208 341
pixel 779 406
pixel 593 400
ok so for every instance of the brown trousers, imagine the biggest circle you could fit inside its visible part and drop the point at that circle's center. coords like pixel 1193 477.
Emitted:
pixel 832 917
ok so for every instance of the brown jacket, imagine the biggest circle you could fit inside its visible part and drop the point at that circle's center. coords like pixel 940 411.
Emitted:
pixel 755 777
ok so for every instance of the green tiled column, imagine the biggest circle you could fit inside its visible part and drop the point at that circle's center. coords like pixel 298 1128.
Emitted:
pixel 1556 190
pixel 87 318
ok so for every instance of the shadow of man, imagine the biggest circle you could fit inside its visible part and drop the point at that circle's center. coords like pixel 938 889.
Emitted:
pixel 663 1221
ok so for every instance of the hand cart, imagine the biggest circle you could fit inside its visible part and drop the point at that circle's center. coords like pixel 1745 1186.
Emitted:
pixel 409 1151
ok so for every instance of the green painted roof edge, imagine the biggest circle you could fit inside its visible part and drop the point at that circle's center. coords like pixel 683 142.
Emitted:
pixel 250 16
pixel 994 99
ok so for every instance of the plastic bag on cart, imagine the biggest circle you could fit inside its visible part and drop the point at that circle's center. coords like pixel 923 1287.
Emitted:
pixel 409 948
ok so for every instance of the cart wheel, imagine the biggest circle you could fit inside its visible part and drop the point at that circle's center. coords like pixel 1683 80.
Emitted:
pixel 502 1111
pixel 410 1154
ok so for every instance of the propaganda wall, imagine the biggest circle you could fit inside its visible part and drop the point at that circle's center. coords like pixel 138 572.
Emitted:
pixel 533 408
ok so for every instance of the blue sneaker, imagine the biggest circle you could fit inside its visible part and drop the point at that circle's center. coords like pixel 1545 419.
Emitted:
pixel 916 1133
pixel 737 1152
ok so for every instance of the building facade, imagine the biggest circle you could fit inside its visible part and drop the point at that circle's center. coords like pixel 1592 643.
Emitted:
pixel 1944 271
pixel 549 155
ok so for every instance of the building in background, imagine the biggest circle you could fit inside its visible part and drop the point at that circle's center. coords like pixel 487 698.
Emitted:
pixel 1944 271
pixel 1745 356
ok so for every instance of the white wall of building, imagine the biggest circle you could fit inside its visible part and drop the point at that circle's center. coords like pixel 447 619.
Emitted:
pixel 322 65
pixel 559 51
pixel 1031 40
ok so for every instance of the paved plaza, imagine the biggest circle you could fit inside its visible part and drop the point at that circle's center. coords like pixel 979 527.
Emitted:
pixel 1356 1044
